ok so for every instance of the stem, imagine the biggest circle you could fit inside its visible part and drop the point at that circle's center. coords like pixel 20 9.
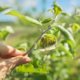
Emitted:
pixel 30 50
pixel 34 44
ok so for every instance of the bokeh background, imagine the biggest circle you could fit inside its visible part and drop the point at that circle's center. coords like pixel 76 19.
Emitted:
pixel 36 7
pixel 43 66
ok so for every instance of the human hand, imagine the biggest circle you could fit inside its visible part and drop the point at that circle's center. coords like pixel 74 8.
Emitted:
pixel 10 58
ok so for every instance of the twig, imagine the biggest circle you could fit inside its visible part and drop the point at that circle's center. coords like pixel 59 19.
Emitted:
pixel 34 44
pixel 30 50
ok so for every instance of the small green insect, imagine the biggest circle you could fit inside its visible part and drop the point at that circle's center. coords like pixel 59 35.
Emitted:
pixel 47 40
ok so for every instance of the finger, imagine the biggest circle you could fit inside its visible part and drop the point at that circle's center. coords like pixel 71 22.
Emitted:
pixel 17 53
pixel 23 60
pixel 15 61
pixel 11 52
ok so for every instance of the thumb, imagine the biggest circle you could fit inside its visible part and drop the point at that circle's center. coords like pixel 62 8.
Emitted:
pixel 23 60
pixel 18 60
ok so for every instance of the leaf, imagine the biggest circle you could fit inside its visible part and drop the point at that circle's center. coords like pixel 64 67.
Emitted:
pixel 3 35
pixel 75 27
pixel 8 29
pixel 64 14
pixel 23 46
pixel 5 32
pixel 3 8
pixel 25 19
pixel 26 68
pixel 30 69
pixel 66 33
pixel 46 20
pixel 57 10
pixel 51 10
pixel 63 48
pixel 47 40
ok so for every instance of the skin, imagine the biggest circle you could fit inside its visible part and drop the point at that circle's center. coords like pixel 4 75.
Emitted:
pixel 10 58
pixel 7 52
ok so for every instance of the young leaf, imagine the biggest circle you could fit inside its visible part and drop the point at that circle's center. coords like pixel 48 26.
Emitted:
pixel 57 10
pixel 75 27
pixel 25 19
pixel 46 20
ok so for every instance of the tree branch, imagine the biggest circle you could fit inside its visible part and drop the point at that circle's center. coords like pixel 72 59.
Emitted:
pixel 30 50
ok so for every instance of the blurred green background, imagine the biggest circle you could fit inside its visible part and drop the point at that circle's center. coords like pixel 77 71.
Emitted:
pixel 58 64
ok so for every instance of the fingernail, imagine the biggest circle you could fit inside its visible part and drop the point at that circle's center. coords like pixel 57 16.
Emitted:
pixel 27 59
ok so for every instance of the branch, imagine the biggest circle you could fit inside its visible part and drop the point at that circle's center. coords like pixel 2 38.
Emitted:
pixel 34 44
pixel 30 50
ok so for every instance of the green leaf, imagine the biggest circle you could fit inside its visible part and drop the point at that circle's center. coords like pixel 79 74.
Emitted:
pixel 5 32
pixel 75 27
pixel 23 46
pixel 3 35
pixel 63 48
pixel 66 33
pixel 51 10
pixel 47 40
pixel 3 8
pixel 30 69
pixel 46 20
pixel 8 29
pixel 24 19
pixel 64 14
pixel 57 10
pixel 26 68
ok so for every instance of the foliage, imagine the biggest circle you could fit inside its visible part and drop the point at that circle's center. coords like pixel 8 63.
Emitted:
pixel 57 9
pixel 59 63
pixel 5 32
pixel 25 19
pixel 3 8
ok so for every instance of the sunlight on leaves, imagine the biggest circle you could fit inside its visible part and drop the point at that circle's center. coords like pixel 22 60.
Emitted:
pixel 57 10
pixel 75 27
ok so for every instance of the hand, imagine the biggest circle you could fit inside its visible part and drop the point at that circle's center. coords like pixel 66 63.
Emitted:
pixel 10 58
